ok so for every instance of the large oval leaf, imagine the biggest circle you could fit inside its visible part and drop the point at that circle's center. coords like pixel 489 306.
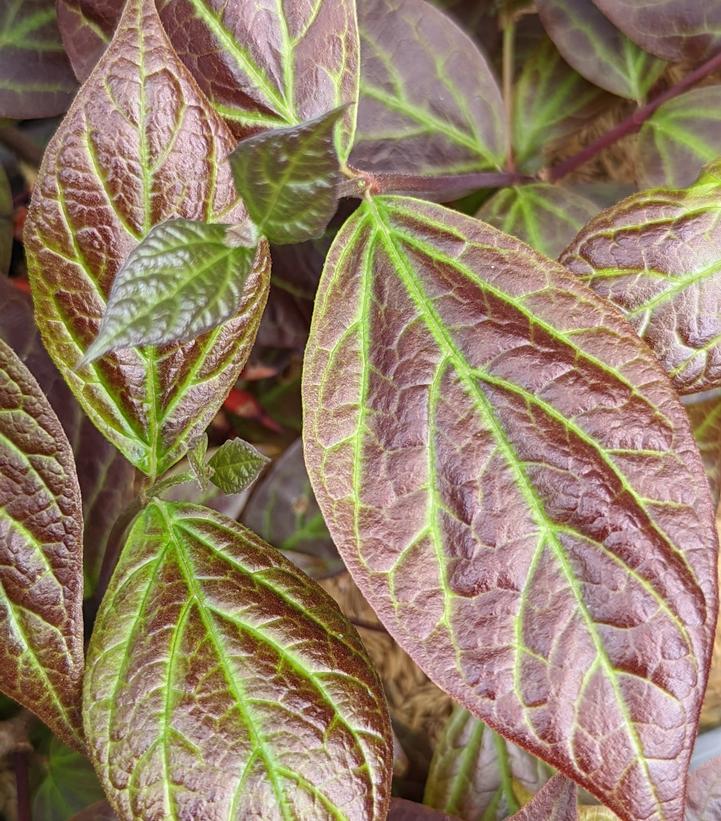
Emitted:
pixel 222 683
pixel 657 256
pixel 41 561
pixel 140 145
pixel 513 484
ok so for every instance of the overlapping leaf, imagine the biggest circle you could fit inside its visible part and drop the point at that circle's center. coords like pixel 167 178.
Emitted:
pixel 41 560
pixel 429 103
pixel 705 416
pixel 86 27
pixel 704 792
pixel 236 465
pixel 657 255
pixel 140 145
pixel 222 683
pixel 547 217
pixel 68 784
pixel 512 482
pixel 597 49
pixel 556 801
pixel 35 76
pixel 404 810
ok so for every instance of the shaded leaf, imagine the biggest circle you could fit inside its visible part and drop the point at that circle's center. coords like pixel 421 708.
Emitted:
pixel 118 165
pixel 504 457
pixel 704 792
pixel 429 103
pixel 704 413
pixel 403 810
pixel 100 811
pixel 547 217
pixel 199 604
pixel 656 256
pixel 183 278
pixel 86 27
pixel 68 784
pixel 555 801
pixel 41 556
pixel 288 179
pixel 236 465
pixel 597 49
pixel 37 80
pixel 6 223
pixel 680 138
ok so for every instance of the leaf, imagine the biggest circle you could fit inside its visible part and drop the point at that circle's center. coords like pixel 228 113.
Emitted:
pixel 68 784
pixel 597 49
pixel 550 101
pixel 704 792
pixel 236 465
pixel 120 163
pixel 288 179
pixel 682 136
pixel 86 27
pixel 99 811
pixel 555 801
pixel 404 810
pixel 203 620
pixel 431 107
pixel 41 559
pixel 473 768
pixel 183 278
pixel 705 416
pixel 656 256
pixel 547 217
pixel 6 223
pixel 504 458
pixel 37 80
pixel 671 29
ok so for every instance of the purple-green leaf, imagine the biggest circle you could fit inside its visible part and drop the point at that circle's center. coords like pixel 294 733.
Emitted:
pixel 704 792
pixel 67 784
pixel 235 465
pixel 555 801
pixel 86 27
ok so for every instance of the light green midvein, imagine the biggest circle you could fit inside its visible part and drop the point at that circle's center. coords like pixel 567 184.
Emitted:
pixel 287 55
pixel 468 763
pixel 677 285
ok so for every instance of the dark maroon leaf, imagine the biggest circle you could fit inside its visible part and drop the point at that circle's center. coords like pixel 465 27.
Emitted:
pixel 403 810
pixel 555 801
pixel 86 27
pixel 704 792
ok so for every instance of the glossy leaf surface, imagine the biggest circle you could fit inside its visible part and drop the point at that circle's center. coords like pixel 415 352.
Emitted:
pixel 236 465
pixel 682 136
pixel 140 145
pixel 86 27
pixel 705 416
pixel 222 683
pixel 37 80
pixel 556 801
pixel 547 217
pixel 68 784
pixel 704 792
pixel 512 482
pixel 288 179
pixel 41 558
pixel 657 255
pixel 597 49
pixel 429 103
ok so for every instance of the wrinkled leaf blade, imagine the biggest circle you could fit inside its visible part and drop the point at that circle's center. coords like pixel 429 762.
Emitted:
pixel 236 465
pixel 86 28
pixel 555 801
pixel 704 413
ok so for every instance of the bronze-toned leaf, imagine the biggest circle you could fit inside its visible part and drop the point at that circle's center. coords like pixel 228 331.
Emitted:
pixel 86 27
pixel 704 792
pixel 704 413
pixel 555 801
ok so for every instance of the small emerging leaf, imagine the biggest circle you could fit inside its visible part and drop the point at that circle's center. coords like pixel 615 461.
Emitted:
pixel 555 801
pixel 236 465
pixel 288 179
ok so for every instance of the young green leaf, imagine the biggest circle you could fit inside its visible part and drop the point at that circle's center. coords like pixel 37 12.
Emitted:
pixel 236 465
pixel 120 163
pixel 68 784
pixel 656 256
pixel 704 792
pixel 41 561
pixel 556 801
pixel 429 103
pixel 547 217
pixel 223 683
pixel 6 224
pixel 288 179
pixel 504 457
pixel 597 49
pixel 37 80
pixel 704 413
pixel 86 27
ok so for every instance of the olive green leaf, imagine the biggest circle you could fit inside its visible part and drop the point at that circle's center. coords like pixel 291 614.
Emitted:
pixel 236 465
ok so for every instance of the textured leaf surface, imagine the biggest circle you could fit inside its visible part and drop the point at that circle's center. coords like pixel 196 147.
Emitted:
pixel 547 217
pixel 222 683
pixel 657 255
pixel 236 465
pixel 705 416
pixel 556 801
pixel 597 49
pixel 429 103
pixel 404 810
pixel 704 792
pixel 68 784
pixel 86 27
pixel 288 179
pixel 139 146
pixel 6 224
pixel 513 484
pixel 41 561
pixel 682 136
pixel 35 76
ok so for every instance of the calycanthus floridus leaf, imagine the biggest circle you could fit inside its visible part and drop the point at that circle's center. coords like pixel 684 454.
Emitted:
pixel 236 465
pixel 86 27
pixel 140 145
pixel 556 801
pixel 504 457
pixel 704 413
pixel 41 556
pixel 223 683
pixel 657 256
pixel 288 179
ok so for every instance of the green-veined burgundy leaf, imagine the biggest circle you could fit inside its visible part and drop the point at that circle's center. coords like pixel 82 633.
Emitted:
pixel 184 278
pixel 547 217
pixel 429 103
pixel 288 179
pixel 704 413
pixel 597 49
pixel 68 784
pixel 704 792
pixel 657 256
pixel 682 136
pixel 6 224
pixel 473 771
pixel 35 76
pixel 222 683
pixel 513 484
pixel 140 145
pixel 671 29
pixel 41 556
pixel 86 27
pixel 236 465
pixel 555 801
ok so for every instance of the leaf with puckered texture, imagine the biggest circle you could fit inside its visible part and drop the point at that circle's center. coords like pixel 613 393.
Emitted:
pixel 704 414
pixel 555 801
pixel 86 27
pixel 236 465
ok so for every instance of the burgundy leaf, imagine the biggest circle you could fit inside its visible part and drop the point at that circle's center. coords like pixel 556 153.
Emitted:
pixel 703 801
pixel 704 412
pixel 403 810
pixel 555 801
pixel 86 27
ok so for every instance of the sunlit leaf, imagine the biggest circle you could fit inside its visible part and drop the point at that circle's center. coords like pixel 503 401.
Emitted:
pixel 86 27
pixel 68 784
pixel 221 682
pixel 504 458
pixel 704 792
pixel 119 164
pixel 236 465
pixel 556 801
